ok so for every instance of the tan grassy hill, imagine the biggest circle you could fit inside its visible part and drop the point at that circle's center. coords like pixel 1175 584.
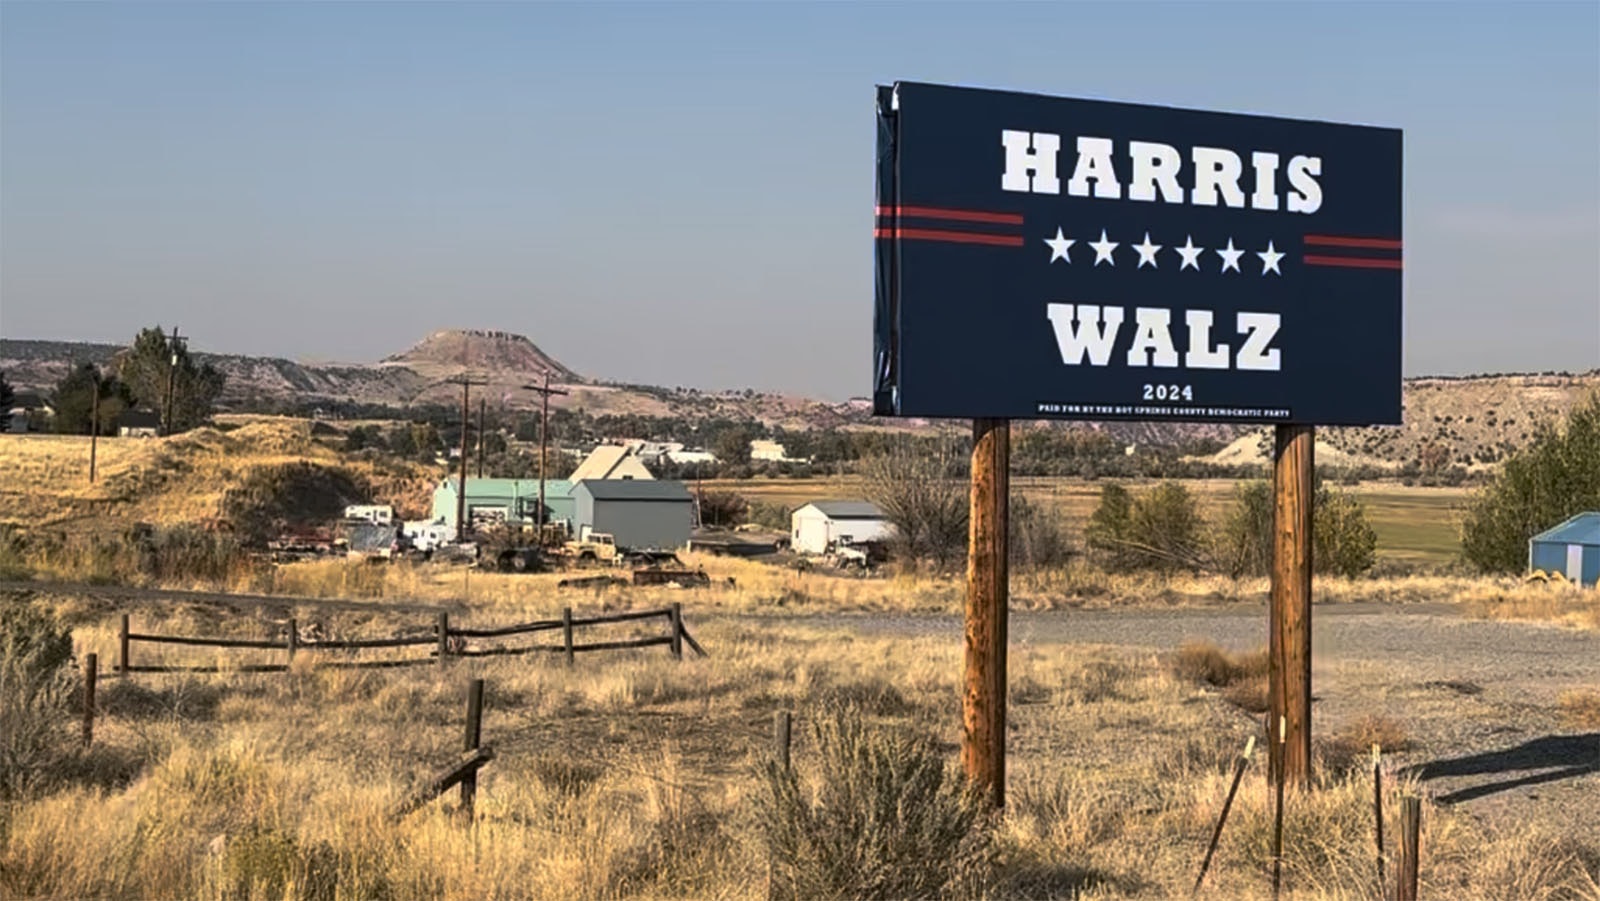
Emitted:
pixel 181 479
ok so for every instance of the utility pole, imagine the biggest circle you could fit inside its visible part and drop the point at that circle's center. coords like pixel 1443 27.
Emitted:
pixel 482 402
pixel 544 438
pixel 466 382
pixel 172 373
pixel 94 423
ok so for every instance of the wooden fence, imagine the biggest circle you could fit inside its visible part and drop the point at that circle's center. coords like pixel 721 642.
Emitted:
pixel 445 642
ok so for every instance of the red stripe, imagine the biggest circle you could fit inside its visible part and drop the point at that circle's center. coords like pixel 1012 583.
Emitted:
pixel 1337 241
pixel 1352 262
pixel 934 234
pixel 928 212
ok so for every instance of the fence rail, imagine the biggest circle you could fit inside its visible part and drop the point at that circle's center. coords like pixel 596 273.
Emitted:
pixel 442 648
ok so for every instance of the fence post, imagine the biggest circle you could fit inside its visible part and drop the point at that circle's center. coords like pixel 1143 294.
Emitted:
pixel 780 738
pixel 469 785
pixel 677 631
pixel 122 648
pixel 443 628
pixel 1227 804
pixel 1277 817
pixel 566 633
pixel 91 668
pixel 293 640
pixel 1410 839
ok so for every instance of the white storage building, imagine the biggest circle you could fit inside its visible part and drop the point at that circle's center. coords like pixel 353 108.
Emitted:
pixel 817 526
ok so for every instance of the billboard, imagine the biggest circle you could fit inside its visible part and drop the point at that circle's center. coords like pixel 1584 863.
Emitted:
pixel 1055 258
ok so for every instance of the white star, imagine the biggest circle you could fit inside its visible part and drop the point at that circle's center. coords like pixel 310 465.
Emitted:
pixel 1230 257
pixel 1269 260
pixel 1103 248
pixel 1147 252
pixel 1058 246
pixel 1190 254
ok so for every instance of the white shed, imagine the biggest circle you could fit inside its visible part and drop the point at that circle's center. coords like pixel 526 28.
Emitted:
pixel 820 524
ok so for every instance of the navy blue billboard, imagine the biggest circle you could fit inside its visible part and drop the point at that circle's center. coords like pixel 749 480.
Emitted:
pixel 1054 258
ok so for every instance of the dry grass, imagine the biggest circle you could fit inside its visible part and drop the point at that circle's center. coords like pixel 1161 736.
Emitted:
pixel 180 479
pixel 1559 602
pixel 631 775
pixel 1579 708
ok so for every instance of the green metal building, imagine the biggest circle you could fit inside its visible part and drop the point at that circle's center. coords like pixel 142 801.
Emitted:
pixel 513 500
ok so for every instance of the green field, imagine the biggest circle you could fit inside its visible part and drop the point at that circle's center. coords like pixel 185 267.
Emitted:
pixel 1414 525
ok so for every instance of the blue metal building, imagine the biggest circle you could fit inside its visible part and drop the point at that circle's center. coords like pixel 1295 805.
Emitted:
pixel 1572 549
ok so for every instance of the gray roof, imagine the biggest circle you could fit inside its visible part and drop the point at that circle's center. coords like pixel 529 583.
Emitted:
pixel 1581 529
pixel 633 489
pixel 848 509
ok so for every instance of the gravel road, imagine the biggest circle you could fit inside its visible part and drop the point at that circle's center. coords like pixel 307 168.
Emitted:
pixel 1478 697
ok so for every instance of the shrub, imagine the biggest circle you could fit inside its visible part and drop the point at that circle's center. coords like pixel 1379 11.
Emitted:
pixel 1159 529
pixel 885 818
pixel 1554 477
pixel 35 689
pixel 1202 661
pixel 1343 542
pixel 301 493
pixel 925 496
pixel 723 508
pixel 1037 538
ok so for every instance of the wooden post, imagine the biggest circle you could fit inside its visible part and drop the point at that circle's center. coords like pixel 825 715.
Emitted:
pixel 566 634
pixel 1227 804
pixel 677 630
pixel 91 671
pixel 122 648
pixel 1410 844
pixel 1290 631
pixel 983 703
pixel 469 784
pixel 443 628
pixel 780 738
pixel 292 641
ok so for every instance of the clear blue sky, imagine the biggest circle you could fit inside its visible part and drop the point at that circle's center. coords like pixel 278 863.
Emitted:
pixel 681 194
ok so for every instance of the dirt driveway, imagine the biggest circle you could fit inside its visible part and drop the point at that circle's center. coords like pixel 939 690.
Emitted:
pixel 1478 697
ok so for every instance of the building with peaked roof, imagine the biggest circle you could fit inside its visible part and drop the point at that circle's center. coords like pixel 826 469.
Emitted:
pixel 640 514
pixel 1571 548
pixel 515 501
pixel 611 461
pixel 817 527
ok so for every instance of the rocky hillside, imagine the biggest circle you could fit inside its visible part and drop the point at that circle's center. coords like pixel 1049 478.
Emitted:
pixel 1471 422
pixel 445 353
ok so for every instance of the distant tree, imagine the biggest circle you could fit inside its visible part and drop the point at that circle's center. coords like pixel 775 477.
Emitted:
pixel 1555 476
pixel 7 394
pixel 147 367
pixel 402 441
pixel 75 400
pixel 364 436
pixel 732 444
pixel 1343 541
pixel 426 440
pixel 723 508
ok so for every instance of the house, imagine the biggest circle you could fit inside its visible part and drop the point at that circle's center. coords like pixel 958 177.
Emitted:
pixel 29 412
pixel 1572 549
pixel 639 513
pixel 767 450
pixel 514 501
pixel 819 525
pixel 137 423
pixel 611 461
